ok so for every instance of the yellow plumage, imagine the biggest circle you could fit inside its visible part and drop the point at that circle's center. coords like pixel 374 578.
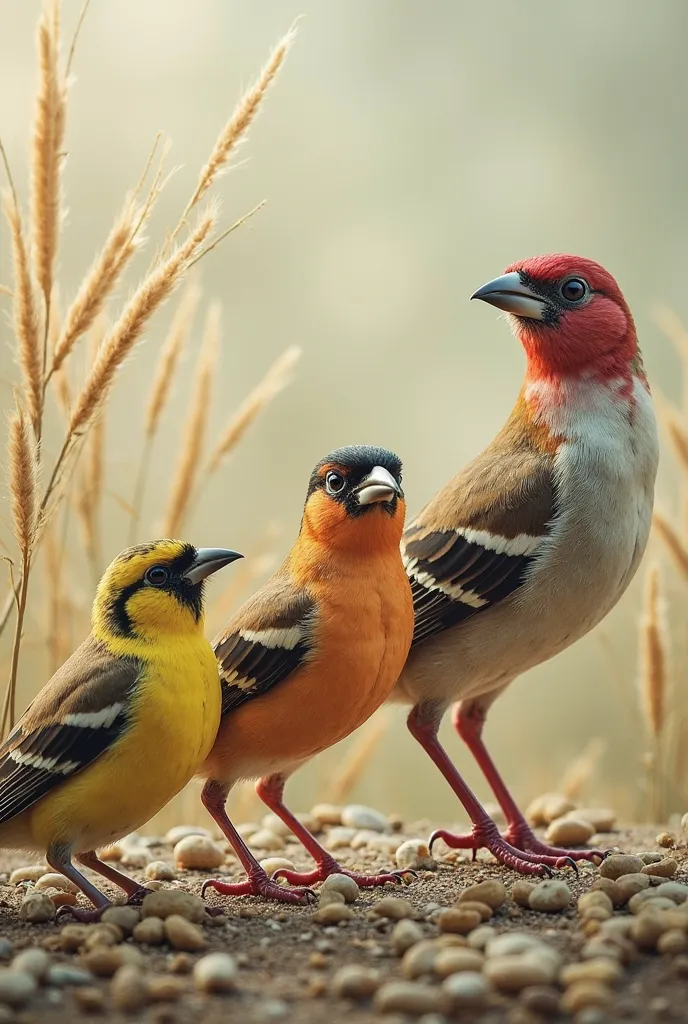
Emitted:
pixel 126 722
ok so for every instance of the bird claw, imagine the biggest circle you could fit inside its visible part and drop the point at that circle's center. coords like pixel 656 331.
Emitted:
pixel 487 836
pixel 526 841
pixel 84 915
pixel 323 871
pixel 259 886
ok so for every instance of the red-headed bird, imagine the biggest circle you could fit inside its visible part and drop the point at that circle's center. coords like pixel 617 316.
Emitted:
pixel 314 652
pixel 530 546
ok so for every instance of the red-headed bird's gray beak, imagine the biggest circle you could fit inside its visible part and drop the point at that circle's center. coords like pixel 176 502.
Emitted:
pixel 510 294
pixel 379 485
pixel 208 561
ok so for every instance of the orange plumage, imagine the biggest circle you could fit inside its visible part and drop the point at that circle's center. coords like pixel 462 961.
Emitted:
pixel 318 649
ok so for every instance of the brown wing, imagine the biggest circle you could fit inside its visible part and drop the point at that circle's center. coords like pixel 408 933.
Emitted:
pixel 267 640
pixel 75 718
pixel 473 545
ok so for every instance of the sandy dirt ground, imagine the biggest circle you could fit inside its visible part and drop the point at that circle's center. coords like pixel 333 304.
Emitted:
pixel 286 962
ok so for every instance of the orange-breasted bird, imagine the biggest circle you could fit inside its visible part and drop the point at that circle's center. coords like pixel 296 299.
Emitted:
pixel 314 652
pixel 534 542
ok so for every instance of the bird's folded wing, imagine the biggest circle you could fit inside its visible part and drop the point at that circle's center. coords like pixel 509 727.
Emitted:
pixel 472 546
pixel 77 717
pixel 267 640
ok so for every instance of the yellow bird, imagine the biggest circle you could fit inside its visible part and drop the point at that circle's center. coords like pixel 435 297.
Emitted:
pixel 126 721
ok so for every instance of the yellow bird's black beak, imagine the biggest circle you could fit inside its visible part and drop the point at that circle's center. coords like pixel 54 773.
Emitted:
pixel 208 561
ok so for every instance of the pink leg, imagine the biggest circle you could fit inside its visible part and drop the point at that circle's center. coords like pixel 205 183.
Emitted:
pixel 214 796
pixel 59 858
pixel 270 790
pixel 134 890
pixel 468 720
pixel 423 723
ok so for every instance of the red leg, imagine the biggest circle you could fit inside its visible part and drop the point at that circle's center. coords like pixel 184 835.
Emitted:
pixel 468 720
pixel 214 796
pixel 423 723
pixel 270 790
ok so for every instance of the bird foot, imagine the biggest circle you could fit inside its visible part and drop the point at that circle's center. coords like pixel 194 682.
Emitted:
pixel 260 885
pixel 331 867
pixel 84 915
pixel 525 840
pixel 487 837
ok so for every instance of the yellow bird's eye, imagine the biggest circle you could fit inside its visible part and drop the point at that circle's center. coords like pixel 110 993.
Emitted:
pixel 157 576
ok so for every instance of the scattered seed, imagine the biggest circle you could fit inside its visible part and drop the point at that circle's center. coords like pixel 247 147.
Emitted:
pixel 355 982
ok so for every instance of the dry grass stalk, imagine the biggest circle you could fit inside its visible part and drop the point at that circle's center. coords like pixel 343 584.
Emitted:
pixel 193 433
pixel 274 381
pixel 357 758
pixel 46 154
pixel 99 282
pixel 180 327
pixel 678 436
pixel 234 132
pixel 90 494
pixel 152 292
pixel 25 316
pixel 672 541
pixel 653 654
pixel 58 598
pixel 579 772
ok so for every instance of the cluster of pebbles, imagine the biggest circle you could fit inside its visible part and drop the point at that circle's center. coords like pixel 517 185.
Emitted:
pixel 560 948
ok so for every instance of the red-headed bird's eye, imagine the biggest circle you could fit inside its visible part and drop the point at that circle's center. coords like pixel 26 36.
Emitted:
pixel 157 576
pixel 335 482
pixel 574 289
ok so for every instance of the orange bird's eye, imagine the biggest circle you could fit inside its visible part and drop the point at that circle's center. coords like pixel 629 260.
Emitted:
pixel 335 482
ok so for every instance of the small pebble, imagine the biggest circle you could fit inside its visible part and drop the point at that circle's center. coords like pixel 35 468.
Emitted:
pixel 542 1000
pixel 407 997
pixel 585 994
pixel 405 934
pixel 420 959
pixel 272 864
pixel 182 831
pixel 512 943
pixel 135 857
pixel 610 887
pixel 619 864
pixel 605 971
pixel 481 937
pixel 216 972
pixel 569 831
pixel 595 899
pixel 16 987
pixel 73 936
pixel 67 975
pixel 105 960
pixel 329 896
pixel 629 885
pixel 37 908
pixel 344 884
pixel 520 892
pixel 466 991
pixel 355 982
pixel 415 855
pixel 333 913
pixel 183 935
pixel 516 972
pixel 357 816
pixel 452 961
pixel 327 814
pixel 482 908
pixel 32 961
pixel 665 868
pixel 601 818
pixel 150 931
pixel 550 896
pixel 129 989
pixel 273 1009
pixel 672 942
pixel 547 807
pixel 676 891
pixel 667 840
pixel 54 880
pixel 339 838
pixel 29 873
pixel 381 843
pixel 174 901
pixel 684 824
pixel 649 856
pixel 160 870
pixel 165 989
pixel 395 908
pixel 103 934
pixel 458 921
pixel 124 918
pixel 264 839
pixel 492 892
pixel 198 853
pixel 6 948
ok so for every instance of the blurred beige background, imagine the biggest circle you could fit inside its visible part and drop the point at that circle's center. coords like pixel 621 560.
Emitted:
pixel 408 152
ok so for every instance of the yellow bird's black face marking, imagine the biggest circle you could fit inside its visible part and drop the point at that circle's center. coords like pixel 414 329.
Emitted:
pixel 156 588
